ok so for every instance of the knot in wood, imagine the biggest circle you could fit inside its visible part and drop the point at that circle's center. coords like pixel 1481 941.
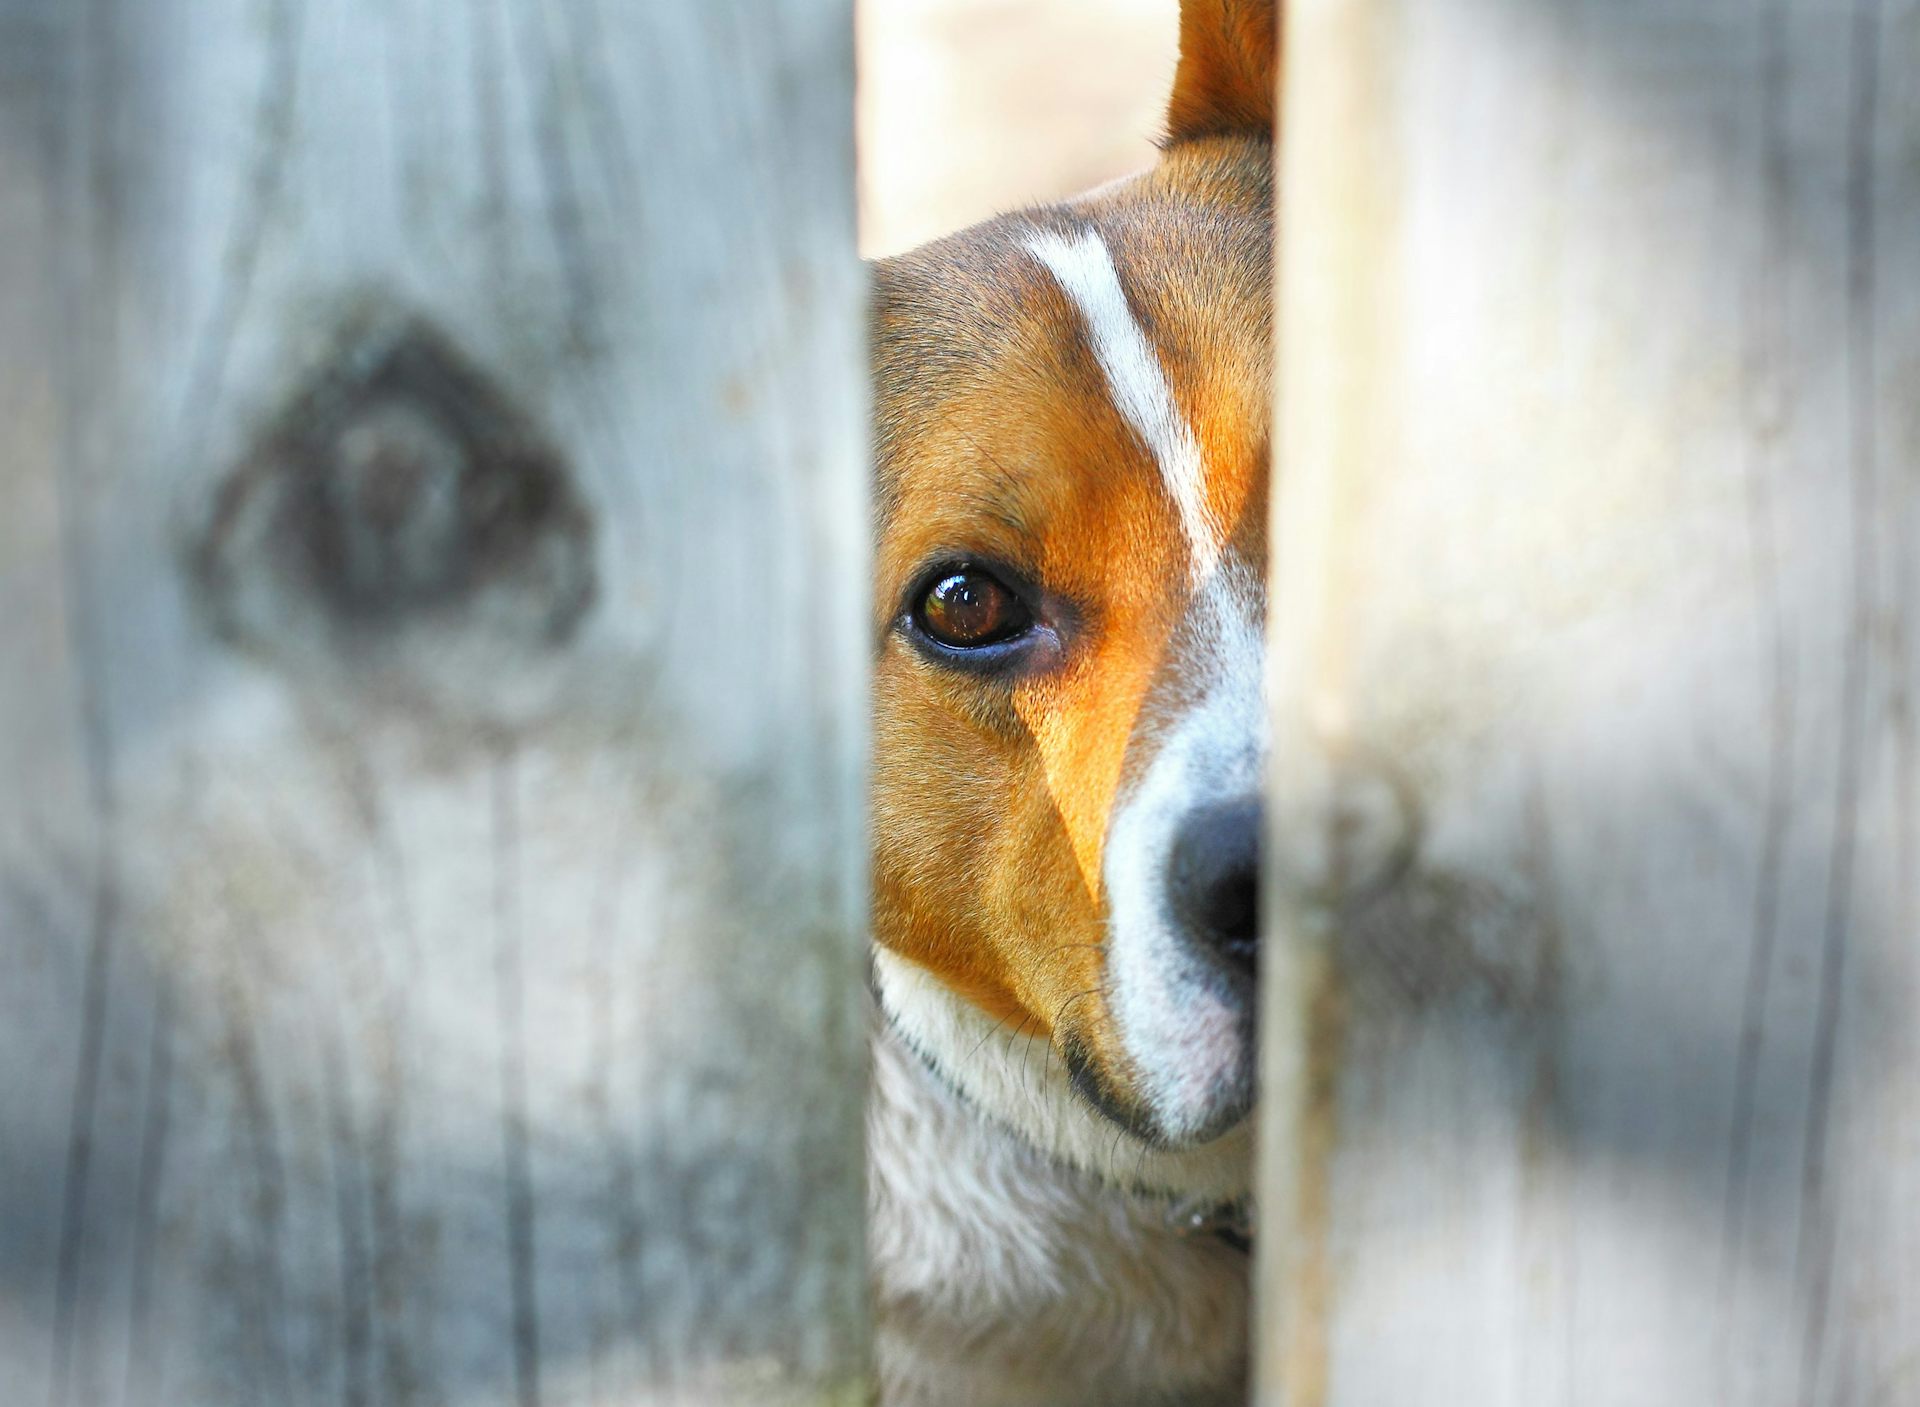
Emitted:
pixel 1345 828
pixel 400 487
pixel 391 519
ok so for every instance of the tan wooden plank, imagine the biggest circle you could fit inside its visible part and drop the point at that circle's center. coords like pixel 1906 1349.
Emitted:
pixel 1596 535
pixel 432 621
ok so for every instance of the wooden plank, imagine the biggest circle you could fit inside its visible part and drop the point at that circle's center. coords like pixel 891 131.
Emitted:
pixel 1597 533
pixel 432 621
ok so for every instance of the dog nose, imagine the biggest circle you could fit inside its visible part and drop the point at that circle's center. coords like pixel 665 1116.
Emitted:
pixel 1214 876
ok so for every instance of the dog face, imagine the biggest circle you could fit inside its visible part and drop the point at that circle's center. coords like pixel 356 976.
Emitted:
pixel 1073 422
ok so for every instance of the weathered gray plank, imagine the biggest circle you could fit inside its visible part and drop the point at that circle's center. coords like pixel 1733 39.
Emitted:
pixel 432 623
pixel 1597 529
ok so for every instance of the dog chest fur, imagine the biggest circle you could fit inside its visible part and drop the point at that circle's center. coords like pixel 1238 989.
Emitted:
pixel 1002 1279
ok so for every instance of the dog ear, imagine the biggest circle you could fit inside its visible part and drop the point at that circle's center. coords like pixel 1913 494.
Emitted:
pixel 1229 68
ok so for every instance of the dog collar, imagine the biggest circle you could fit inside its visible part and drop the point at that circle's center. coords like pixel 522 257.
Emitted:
pixel 1231 1222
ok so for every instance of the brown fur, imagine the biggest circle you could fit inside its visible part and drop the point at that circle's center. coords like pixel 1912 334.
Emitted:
pixel 997 437
pixel 1012 1265
pixel 1229 59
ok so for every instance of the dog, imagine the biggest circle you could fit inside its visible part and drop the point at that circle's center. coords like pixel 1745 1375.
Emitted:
pixel 1072 435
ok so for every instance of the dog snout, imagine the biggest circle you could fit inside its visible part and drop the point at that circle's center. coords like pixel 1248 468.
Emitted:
pixel 1214 883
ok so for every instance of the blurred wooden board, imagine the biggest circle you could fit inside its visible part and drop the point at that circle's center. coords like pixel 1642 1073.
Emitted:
pixel 432 866
pixel 1597 535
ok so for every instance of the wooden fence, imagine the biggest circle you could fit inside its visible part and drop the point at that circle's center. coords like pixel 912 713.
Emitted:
pixel 432 700
pixel 1595 644
pixel 432 865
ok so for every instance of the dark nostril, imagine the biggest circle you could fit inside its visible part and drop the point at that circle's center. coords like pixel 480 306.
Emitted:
pixel 1231 908
pixel 1214 877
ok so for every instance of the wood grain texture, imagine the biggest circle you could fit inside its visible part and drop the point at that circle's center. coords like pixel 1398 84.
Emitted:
pixel 1598 526
pixel 433 633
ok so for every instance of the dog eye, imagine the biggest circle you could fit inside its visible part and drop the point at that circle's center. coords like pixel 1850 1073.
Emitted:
pixel 969 609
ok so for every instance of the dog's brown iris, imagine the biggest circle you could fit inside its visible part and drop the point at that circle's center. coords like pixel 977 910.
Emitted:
pixel 971 608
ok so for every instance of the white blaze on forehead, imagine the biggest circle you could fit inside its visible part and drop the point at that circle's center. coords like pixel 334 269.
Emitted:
pixel 1084 269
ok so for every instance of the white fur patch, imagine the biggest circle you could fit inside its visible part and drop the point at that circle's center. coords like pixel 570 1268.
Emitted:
pixel 1019 1081
pixel 1137 381
pixel 1002 1279
pixel 1185 1038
